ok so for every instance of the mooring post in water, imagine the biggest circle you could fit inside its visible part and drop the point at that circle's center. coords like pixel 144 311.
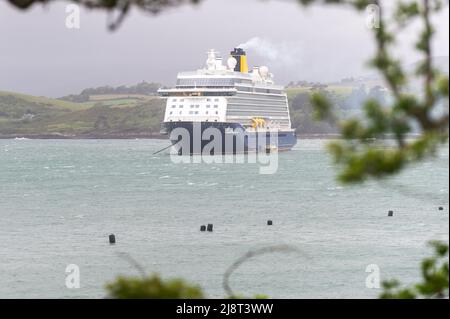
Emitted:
pixel 269 222
pixel 441 208
pixel 210 227
pixel 112 239
pixel 391 213
pixel 202 228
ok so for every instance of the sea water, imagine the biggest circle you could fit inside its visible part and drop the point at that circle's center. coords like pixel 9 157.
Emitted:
pixel 60 199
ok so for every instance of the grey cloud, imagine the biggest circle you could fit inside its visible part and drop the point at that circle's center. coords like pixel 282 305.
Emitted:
pixel 39 55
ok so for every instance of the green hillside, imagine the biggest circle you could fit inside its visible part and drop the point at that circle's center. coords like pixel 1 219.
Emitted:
pixel 26 115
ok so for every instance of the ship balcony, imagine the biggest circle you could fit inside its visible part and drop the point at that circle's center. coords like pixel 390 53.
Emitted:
pixel 196 91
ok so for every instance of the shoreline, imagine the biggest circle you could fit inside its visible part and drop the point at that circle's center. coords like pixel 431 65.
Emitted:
pixel 82 136
pixel 153 136
pixel 127 136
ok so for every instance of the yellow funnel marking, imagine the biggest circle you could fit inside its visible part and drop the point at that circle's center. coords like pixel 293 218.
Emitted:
pixel 244 66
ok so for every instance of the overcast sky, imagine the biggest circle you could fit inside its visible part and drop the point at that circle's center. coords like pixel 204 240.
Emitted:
pixel 40 56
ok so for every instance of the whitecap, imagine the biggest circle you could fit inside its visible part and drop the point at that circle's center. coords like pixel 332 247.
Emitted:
pixel 212 184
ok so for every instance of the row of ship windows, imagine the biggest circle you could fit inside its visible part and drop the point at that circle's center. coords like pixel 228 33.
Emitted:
pixel 249 113
pixel 207 100
pixel 255 110
pixel 223 83
pixel 205 82
pixel 257 90
pixel 195 106
pixel 192 112
pixel 257 106
pixel 250 96
pixel 256 100
pixel 205 121
pixel 273 124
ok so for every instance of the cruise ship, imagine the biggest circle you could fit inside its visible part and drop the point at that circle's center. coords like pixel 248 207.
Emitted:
pixel 244 106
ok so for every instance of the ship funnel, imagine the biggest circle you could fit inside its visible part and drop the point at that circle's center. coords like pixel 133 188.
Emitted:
pixel 241 58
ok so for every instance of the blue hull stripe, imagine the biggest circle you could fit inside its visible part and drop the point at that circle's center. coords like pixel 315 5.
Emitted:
pixel 285 141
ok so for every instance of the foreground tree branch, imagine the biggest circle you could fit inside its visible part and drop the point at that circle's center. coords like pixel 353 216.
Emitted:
pixel 121 6
pixel 365 153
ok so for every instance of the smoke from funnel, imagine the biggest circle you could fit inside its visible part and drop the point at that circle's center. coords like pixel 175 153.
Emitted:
pixel 282 54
